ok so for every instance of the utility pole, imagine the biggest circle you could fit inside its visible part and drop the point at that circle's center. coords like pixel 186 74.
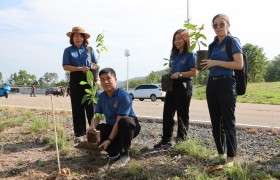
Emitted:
pixel 126 54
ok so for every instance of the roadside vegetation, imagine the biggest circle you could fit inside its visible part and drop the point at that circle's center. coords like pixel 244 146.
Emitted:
pixel 259 93
pixel 188 159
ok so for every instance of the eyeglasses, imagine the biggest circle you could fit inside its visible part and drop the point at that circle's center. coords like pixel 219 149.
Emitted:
pixel 222 25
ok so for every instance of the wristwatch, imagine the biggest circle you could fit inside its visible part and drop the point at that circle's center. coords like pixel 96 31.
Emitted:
pixel 180 74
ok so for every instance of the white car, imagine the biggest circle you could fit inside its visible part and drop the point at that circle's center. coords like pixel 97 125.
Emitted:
pixel 147 91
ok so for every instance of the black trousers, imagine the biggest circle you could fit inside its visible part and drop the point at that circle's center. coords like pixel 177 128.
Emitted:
pixel 128 128
pixel 177 100
pixel 221 99
pixel 79 109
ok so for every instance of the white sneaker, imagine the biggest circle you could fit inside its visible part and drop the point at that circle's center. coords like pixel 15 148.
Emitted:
pixel 122 161
pixel 79 139
pixel 230 162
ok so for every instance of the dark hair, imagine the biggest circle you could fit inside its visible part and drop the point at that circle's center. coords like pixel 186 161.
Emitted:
pixel 186 37
pixel 224 17
pixel 83 35
pixel 107 70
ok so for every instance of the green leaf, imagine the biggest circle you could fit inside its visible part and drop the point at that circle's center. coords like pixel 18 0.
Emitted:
pixel 201 28
pixel 101 117
pixel 88 91
pixel 95 100
pixel 195 35
pixel 192 47
pixel 84 99
pixel 99 37
pixel 202 36
pixel 95 88
pixel 99 44
pixel 190 26
pixel 89 101
pixel 204 44
pixel 83 83
pixel 90 78
pixel 165 64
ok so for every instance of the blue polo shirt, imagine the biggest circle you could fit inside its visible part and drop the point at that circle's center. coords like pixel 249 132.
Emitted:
pixel 219 53
pixel 119 104
pixel 78 57
pixel 183 62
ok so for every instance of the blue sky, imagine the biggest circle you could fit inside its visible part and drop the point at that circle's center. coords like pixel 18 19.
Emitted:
pixel 32 32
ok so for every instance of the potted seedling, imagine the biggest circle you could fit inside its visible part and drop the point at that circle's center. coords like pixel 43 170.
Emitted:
pixel 91 76
pixel 93 137
pixel 166 81
pixel 197 38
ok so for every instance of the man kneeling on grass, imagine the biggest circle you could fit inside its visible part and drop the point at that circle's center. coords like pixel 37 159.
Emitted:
pixel 121 123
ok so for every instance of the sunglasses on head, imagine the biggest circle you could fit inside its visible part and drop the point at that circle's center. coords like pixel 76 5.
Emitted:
pixel 222 25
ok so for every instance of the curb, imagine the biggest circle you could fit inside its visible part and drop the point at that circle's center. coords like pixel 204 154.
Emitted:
pixel 148 119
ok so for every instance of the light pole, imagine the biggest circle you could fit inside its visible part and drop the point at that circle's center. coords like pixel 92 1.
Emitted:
pixel 188 11
pixel 126 54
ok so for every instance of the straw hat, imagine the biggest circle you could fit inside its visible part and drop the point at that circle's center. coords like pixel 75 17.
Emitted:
pixel 78 30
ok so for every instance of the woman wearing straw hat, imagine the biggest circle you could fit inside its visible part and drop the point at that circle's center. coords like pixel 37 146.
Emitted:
pixel 78 59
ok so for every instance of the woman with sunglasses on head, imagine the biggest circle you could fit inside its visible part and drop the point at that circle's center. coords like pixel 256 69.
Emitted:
pixel 78 59
pixel 182 70
pixel 221 87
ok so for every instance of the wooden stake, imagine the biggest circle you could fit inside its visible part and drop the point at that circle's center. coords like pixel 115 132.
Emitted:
pixel 55 133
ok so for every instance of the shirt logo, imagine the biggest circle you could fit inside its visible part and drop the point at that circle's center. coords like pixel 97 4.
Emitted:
pixel 223 49
pixel 116 104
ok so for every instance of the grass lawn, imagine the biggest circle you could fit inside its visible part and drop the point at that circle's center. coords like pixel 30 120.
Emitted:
pixel 259 93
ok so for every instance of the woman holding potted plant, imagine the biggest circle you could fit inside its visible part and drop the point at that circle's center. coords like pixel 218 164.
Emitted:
pixel 220 90
pixel 178 99
pixel 77 60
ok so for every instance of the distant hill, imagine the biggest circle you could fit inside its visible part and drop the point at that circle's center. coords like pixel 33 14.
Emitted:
pixel 123 83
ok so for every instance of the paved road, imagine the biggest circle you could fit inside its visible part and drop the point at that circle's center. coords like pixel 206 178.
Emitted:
pixel 252 114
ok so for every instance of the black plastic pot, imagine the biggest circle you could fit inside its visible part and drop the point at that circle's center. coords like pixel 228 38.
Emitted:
pixel 200 55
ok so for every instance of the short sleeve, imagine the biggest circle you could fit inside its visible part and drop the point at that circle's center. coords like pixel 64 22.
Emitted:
pixel 93 56
pixel 236 46
pixel 125 104
pixel 192 60
pixel 97 107
pixel 66 57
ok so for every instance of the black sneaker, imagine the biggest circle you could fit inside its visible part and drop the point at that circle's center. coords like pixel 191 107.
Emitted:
pixel 163 144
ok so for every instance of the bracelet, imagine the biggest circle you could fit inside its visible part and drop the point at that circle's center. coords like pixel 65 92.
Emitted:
pixel 109 139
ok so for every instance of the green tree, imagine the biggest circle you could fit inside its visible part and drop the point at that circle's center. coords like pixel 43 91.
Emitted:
pixel 49 79
pixel 273 70
pixel 42 82
pixel 201 78
pixel 67 76
pixel 62 83
pixel 1 77
pixel 257 62
pixel 153 77
pixel 22 78
pixel 135 83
